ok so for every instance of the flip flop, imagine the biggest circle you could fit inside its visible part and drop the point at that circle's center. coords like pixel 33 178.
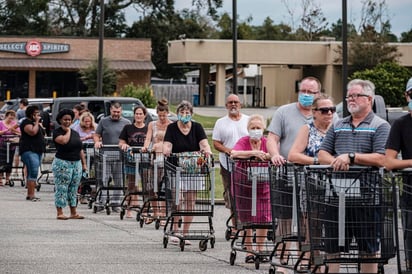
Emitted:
pixel 62 217
pixel 148 221
pixel 250 259
pixel 77 216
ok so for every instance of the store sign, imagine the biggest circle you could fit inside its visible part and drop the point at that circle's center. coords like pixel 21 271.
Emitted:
pixel 34 47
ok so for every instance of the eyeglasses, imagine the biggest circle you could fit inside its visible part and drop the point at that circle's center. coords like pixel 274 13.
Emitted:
pixel 355 96
pixel 233 102
pixel 326 110
pixel 305 91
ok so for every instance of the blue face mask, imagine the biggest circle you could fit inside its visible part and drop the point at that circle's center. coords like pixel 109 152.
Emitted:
pixel 305 99
pixel 410 105
pixel 184 119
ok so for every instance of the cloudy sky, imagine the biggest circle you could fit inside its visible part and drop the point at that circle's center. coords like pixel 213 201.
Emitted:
pixel 399 11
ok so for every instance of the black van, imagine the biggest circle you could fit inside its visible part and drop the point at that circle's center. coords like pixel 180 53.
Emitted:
pixel 98 106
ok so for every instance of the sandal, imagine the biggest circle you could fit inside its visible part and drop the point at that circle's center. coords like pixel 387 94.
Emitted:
pixel 250 259
pixel 148 221
pixel 33 199
pixel 62 217
pixel 77 216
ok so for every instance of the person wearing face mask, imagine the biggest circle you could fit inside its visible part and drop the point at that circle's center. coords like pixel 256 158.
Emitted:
pixel 253 146
pixel 185 135
pixel 399 142
pixel 283 129
pixel 226 132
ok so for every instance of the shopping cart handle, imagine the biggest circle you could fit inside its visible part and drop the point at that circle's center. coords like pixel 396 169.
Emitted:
pixel 88 145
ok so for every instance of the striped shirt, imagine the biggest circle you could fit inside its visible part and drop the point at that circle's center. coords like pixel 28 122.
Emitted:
pixel 368 137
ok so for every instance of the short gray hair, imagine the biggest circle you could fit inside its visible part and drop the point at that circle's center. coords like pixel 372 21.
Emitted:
pixel 367 86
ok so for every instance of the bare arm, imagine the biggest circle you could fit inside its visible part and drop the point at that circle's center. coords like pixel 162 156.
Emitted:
pixel 64 139
pixel 149 137
pixel 167 148
pixel 221 148
pixel 392 162
pixel 205 147
pixel 296 153
pixel 97 140
pixel 123 145
pixel 272 146
pixel 33 129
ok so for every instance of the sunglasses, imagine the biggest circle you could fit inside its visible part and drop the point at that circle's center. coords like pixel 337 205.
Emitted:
pixel 326 110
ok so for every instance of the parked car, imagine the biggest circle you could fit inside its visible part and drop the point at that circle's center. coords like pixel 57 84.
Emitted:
pixel 13 104
pixel 153 115
pixel 98 106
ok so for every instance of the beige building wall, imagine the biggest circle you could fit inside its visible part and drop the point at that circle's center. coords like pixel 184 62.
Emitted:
pixel 283 63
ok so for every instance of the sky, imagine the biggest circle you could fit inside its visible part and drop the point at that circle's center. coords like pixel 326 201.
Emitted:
pixel 399 11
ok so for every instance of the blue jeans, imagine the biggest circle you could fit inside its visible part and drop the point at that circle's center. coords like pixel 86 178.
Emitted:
pixel 32 161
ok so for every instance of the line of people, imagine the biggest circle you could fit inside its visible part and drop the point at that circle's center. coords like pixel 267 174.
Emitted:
pixel 308 132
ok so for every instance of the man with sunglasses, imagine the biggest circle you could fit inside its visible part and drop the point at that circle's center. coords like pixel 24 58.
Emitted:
pixel 358 139
pixel 399 142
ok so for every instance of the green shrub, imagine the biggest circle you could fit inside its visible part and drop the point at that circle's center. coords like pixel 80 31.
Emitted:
pixel 144 93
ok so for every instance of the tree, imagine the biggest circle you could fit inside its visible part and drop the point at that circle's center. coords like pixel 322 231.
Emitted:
pixel 406 36
pixel 89 78
pixel 144 93
pixel 268 31
pixel 390 79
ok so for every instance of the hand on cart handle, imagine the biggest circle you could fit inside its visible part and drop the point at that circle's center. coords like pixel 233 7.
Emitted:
pixel 124 147
pixel 98 144
pixel 278 160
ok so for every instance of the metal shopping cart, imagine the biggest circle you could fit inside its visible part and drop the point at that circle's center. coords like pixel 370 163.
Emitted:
pixel 8 146
pixel 46 173
pixel 189 191
pixel 288 198
pixel 88 181
pixel 402 181
pixel 137 168
pixel 251 207
pixel 351 218
pixel 109 179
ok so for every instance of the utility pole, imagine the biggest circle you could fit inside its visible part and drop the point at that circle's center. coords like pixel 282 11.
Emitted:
pixel 100 61
pixel 234 38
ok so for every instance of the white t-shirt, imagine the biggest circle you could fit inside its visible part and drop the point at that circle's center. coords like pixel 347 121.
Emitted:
pixel 228 132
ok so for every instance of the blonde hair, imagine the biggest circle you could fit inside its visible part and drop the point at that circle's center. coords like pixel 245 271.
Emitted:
pixel 83 116
pixel 256 117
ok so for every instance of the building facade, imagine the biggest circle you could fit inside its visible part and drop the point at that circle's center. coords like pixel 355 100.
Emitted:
pixel 45 66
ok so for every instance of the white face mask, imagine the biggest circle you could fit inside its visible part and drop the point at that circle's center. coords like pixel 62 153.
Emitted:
pixel 256 134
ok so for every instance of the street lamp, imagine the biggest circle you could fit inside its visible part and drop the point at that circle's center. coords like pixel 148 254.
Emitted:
pixel 100 60
pixel 234 44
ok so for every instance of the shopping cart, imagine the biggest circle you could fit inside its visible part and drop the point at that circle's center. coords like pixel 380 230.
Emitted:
pixel 402 181
pixel 8 146
pixel 109 179
pixel 137 168
pixel 351 218
pixel 250 195
pixel 189 191
pixel 46 172
pixel 154 201
pixel 88 181
pixel 288 198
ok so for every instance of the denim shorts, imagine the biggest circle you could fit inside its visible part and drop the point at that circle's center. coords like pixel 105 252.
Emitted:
pixel 32 161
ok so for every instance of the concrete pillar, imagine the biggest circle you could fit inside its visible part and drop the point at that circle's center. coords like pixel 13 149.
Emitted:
pixel 220 85
pixel 203 82
pixel 32 84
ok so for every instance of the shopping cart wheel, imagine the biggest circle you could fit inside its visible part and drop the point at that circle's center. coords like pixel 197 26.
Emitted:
pixel 228 233
pixel 182 245
pixel 38 186
pixel 95 209
pixel 141 222
pixel 157 224
pixel 272 270
pixel 90 204
pixel 212 242
pixel 165 241
pixel 203 245
pixel 232 257
pixel 122 213
pixel 11 183
pixel 22 183
pixel 108 211
pixel 257 262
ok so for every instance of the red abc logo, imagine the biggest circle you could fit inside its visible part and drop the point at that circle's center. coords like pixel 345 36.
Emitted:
pixel 33 48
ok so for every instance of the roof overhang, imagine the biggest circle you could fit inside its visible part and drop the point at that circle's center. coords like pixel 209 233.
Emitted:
pixel 71 64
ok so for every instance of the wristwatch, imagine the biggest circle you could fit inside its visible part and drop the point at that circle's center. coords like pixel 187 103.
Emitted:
pixel 351 156
pixel 315 160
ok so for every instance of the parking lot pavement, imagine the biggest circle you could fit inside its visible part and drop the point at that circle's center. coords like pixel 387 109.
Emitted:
pixel 33 241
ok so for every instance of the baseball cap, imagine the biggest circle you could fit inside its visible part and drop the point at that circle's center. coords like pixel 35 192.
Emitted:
pixel 409 85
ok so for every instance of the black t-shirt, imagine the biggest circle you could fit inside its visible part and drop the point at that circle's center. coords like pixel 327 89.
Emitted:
pixel 71 150
pixel 31 143
pixel 400 140
pixel 133 135
pixel 184 143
